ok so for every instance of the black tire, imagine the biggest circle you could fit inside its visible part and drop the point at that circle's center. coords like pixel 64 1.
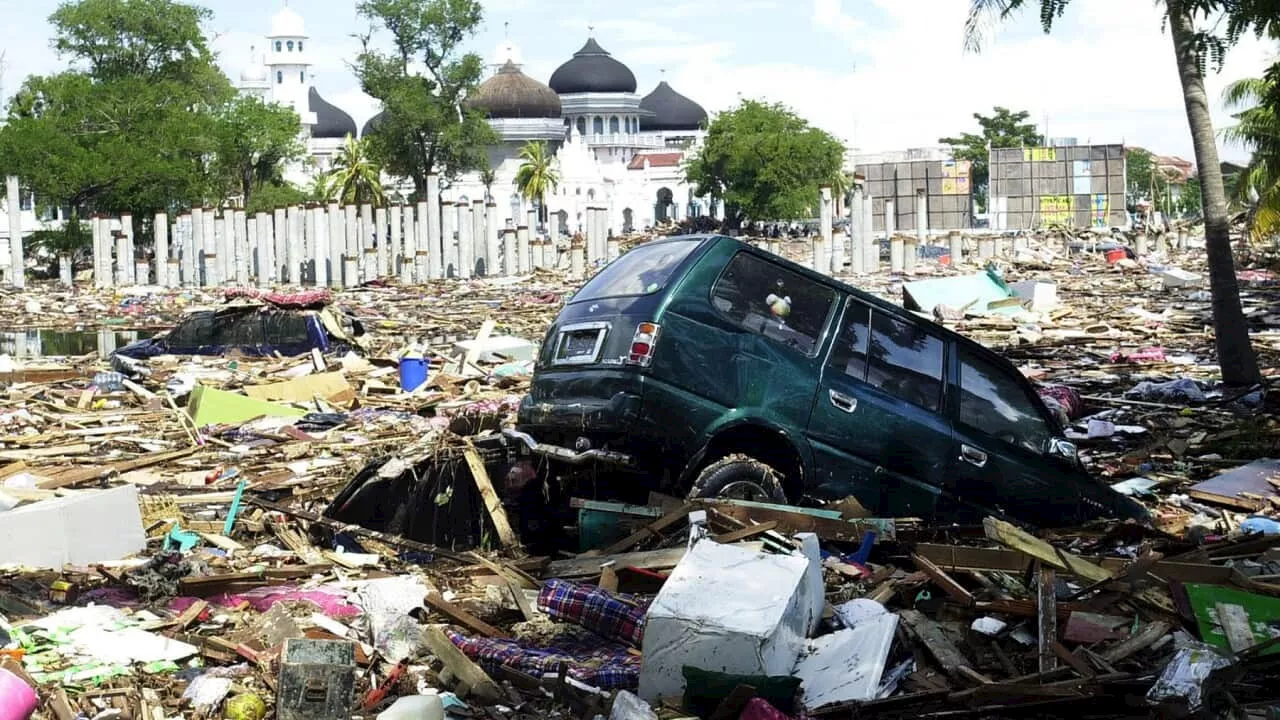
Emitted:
pixel 738 475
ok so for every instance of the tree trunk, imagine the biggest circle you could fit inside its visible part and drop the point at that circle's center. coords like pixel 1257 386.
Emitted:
pixel 1236 359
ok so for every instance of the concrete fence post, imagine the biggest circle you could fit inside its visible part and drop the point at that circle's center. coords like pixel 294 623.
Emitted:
pixel 429 214
pixel 160 229
pixel 956 240
pixel 466 242
pixel 128 257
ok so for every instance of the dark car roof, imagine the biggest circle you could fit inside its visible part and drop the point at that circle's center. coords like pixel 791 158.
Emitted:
pixel 897 310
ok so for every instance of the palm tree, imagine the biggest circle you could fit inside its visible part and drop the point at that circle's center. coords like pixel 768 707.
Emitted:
pixel 1258 128
pixel 1236 358
pixel 354 178
pixel 841 186
pixel 487 178
pixel 536 177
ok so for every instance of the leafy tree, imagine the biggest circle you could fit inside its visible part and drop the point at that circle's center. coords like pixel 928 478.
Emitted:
pixel 129 126
pixel 272 194
pixel 1138 165
pixel 422 82
pixel 536 177
pixel 841 186
pixel 1189 202
pixel 355 177
pixel 255 141
pixel 488 177
pixel 1258 129
pixel 764 161
pixel 1003 129
pixel 1192 50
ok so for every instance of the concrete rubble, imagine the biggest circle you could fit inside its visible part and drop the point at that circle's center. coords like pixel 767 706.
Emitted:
pixel 153 566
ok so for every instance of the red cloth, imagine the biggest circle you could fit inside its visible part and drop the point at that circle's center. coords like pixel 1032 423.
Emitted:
pixel 758 709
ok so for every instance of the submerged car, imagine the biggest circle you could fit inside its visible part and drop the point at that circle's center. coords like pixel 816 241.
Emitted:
pixel 252 329
pixel 703 366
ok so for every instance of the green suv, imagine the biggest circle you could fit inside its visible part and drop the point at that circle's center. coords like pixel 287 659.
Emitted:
pixel 704 366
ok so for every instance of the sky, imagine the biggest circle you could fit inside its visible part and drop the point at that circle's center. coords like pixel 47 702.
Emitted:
pixel 878 74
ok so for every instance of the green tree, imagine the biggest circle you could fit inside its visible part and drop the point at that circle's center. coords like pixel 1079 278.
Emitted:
pixel 536 177
pixel 255 141
pixel 422 82
pixel 488 176
pixel 764 162
pixel 1193 48
pixel 1003 129
pixel 129 125
pixel 355 177
pixel 271 194
pixel 841 186
pixel 1189 199
pixel 1257 128
pixel 1138 165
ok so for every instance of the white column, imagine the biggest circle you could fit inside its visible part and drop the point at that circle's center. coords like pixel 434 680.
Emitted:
pixel 1140 244
pixel 130 257
pixel 17 263
pixel 332 270
pixel 589 234
pixel 382 239
pixel 524 253
pixel 466 243
pixel 870 246
pixel 318 250
pixel 822 255
pixel 266 250
pixel 391 266
pixel 922 217
pixel 956 241
pixel 492 242
pixel 365 233
pixel 160 229
pixel 856 254
pixel 422 237
pixel 577 257
pixel 215 247
pixel 478 240
pixel 538 249
pixel 409 252
pixel 509 251
pixel 279 235
pixel 522 246
pixel 99 252
pixel 302 229
pixel 448 240
pixel 196 278
pixel 65 274
pixel 895 242
pixel 432 224
pixel 187 250
pixel 351 251
pixel 986 247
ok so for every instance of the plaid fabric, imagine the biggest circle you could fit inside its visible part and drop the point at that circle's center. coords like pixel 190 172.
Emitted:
pixel 619 618
pixel 608 666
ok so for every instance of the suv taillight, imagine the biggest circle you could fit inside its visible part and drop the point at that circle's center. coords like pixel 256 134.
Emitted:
pixel 643 344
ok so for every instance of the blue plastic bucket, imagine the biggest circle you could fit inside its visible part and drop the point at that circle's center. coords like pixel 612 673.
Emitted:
pixel 413 372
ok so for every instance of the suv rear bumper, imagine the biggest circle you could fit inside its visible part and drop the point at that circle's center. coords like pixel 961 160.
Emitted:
pixel 564 454
pixel 586 416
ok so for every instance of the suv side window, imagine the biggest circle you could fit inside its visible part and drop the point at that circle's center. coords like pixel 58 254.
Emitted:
pixel 995 404
pixel 243 329
pixel 905 361
pixel 849 355
pixel 770 300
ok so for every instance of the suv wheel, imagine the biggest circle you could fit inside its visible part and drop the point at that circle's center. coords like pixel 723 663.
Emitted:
pixel 739 477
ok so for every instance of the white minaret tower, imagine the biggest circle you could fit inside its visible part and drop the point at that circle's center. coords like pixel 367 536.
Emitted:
pixel 288 64
pixel 254 80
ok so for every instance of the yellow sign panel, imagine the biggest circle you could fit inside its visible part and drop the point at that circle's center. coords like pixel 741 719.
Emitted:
pixel 955 186
pixel 1040 154
pixel 1055 209
pixel 956 168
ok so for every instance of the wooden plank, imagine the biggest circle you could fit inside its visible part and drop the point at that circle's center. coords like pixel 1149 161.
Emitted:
pixel 474 682
pixel 492 502
pixel 952 558
pixel 1048 619
pixel 794 520
pixel 589 566
pixel 653 529
pixel 1137 642
pixel 31 454
pixel 953 589
pixel 522 602
pixel 462 617
pixel 1234 620
pixel 1022 541
pixel 744 533
pixel 934 641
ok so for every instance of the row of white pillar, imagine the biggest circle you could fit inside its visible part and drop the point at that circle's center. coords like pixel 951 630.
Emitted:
pixel 334 246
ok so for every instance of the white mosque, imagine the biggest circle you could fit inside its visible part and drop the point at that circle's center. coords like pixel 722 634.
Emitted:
pixel 612 147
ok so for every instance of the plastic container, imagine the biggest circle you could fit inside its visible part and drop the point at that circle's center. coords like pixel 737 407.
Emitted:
pixel 17 699
pixel 415 707
pixel 413 372
pixel 1116 255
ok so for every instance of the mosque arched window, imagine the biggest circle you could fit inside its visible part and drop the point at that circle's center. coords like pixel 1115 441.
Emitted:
pixel 289 45
pixel 613 124
pixel 302 76
pixel 299 46
pixel 597 125
pixel 278 46
pixel 582 126
pixel 279 77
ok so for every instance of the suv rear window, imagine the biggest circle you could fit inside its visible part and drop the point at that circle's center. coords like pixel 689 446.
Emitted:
pixel 642 271
pixel 770 300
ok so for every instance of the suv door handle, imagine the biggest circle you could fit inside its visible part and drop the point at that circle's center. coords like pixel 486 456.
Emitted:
pixel 842 401
pixel 973 456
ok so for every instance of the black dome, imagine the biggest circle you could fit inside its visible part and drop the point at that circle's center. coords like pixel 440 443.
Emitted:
pixel 671 110
pixel 330 121
pixel 512 94
pixel 592 70
pixel 372 123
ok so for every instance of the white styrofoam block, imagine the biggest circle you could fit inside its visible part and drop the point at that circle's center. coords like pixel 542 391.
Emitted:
pixel 516 348
pixel 1043 295
pixel 725 609
pixel 846 665
pixel 79 529
pixel 815 586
